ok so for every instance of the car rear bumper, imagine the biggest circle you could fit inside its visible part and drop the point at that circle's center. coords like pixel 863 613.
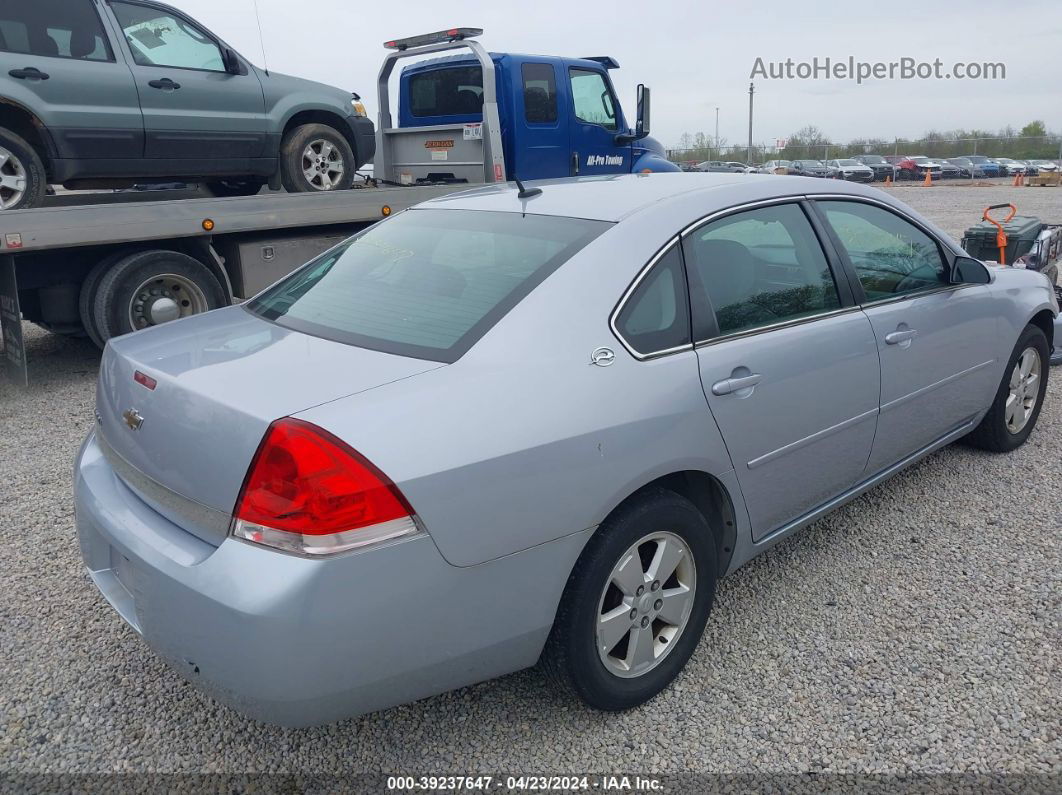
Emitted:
pixel 364 135
pixel 298 641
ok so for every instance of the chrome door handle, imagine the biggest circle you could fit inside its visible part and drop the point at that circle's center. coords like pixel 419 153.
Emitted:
pixel 896 337
pixel 730 385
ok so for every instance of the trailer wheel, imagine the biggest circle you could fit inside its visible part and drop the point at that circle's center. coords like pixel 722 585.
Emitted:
pixel 23 181
pixel 316 157
pixel 149 288
pixel 87 299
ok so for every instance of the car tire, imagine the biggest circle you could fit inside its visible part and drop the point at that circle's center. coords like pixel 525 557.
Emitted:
pixel 235 187
pixel 1005 428
pixel 316 158
pixel 23 179
pixel 148 288
pixel 576 659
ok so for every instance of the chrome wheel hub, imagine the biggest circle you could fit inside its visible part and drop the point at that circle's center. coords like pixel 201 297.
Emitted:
pixel 164 298
pixel 1024 390
pixel 646 604
pixel 322 164
pixel 12 179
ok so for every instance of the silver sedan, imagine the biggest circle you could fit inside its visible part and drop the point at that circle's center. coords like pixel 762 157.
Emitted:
pixel 494 430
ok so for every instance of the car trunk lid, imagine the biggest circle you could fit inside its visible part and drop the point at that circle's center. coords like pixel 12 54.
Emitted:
pixel 182 438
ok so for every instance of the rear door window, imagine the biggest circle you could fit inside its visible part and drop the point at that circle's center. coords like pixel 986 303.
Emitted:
pixel 426 283
pixel 540 93
pixel 457 91
pixel 54 29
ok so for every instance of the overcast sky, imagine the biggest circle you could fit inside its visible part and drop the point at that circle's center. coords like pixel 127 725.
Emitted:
pixel 697 55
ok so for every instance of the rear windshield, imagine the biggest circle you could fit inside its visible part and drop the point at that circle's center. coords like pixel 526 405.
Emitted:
pixel 426 283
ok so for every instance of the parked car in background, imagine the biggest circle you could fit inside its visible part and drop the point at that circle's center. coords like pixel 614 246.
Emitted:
pixel 1042 166
pixel 700 378
pixel 915 166
pixel 721 166
pixel 967 168
pixel 777 167
pixel 849 169
pixel 881 167
pixel 809 168
pixel 949 170
pixel 108 95
pixel 988 166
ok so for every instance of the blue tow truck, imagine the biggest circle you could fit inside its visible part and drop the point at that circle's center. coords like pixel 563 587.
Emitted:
pixel 109 268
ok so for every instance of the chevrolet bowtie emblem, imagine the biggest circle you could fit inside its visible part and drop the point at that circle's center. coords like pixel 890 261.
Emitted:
pixel 133 419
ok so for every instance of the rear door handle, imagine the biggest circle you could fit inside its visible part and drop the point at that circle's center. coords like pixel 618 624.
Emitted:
pixel 29 73
pixel 896 337
pixel 730 385
pixel 165 83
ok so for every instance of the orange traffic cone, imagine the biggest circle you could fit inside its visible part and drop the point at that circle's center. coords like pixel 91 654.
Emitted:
pixel 888 182
pixel 1018 180
pixel 929 179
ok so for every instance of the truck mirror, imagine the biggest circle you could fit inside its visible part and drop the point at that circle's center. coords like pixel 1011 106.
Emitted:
pixel 642 125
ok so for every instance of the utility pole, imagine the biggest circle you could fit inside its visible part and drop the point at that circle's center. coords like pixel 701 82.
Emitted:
pixel 717 128
pixel 752 90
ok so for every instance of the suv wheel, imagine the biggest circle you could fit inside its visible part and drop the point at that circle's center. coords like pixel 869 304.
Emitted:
pixel 22 176
pixel 635 604
pixel 316 157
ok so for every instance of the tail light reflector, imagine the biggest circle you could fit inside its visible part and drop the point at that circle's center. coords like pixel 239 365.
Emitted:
pixel 310 493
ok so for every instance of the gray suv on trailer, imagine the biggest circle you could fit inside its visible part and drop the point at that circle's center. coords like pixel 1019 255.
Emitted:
pixel 108 93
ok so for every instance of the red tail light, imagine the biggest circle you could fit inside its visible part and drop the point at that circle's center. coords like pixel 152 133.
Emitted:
pixel 309 492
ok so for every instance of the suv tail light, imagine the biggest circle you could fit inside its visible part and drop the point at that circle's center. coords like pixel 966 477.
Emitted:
pixel 310 493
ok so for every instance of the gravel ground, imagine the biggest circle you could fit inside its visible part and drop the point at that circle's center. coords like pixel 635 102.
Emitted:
pixel 918 629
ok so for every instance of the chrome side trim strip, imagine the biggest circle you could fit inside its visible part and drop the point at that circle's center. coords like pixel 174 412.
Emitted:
pixel 789 448
pixel 798 321
pixel 919 392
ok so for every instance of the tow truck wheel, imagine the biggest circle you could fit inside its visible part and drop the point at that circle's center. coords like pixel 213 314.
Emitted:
pixel 87 299
pixel 22 177
pixel 316 157
pixel 149 288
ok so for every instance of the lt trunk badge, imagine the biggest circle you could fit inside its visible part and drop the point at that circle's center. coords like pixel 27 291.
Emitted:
pixel 133 419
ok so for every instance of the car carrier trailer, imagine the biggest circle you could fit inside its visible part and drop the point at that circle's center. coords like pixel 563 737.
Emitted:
pixel 107 269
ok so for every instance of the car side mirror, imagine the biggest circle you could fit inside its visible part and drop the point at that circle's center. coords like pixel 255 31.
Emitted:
pixel 231 61
pixel 967 270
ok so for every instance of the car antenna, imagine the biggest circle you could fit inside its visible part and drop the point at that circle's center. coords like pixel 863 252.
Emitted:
pixel 261 39
pixel 526 193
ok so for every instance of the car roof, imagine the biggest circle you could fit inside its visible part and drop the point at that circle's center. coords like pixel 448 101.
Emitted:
pixel 615 197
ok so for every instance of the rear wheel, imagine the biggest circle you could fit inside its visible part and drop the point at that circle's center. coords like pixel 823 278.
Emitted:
pixel 316 157
pixel 23 181
pixel 149 288
pixel 1020 396
pixel 635 604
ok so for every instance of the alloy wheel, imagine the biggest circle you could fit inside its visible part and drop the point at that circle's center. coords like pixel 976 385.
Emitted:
pixel 322 164
pixel 1024 390
pixel 12 179
pixel 646 604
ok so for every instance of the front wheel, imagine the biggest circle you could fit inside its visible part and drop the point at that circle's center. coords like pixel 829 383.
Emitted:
pixel 23 182
pixel 1020 396
pixel 635 604
pixel 316 157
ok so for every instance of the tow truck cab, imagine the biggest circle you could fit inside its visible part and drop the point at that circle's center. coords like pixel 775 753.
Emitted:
pixel 556 117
